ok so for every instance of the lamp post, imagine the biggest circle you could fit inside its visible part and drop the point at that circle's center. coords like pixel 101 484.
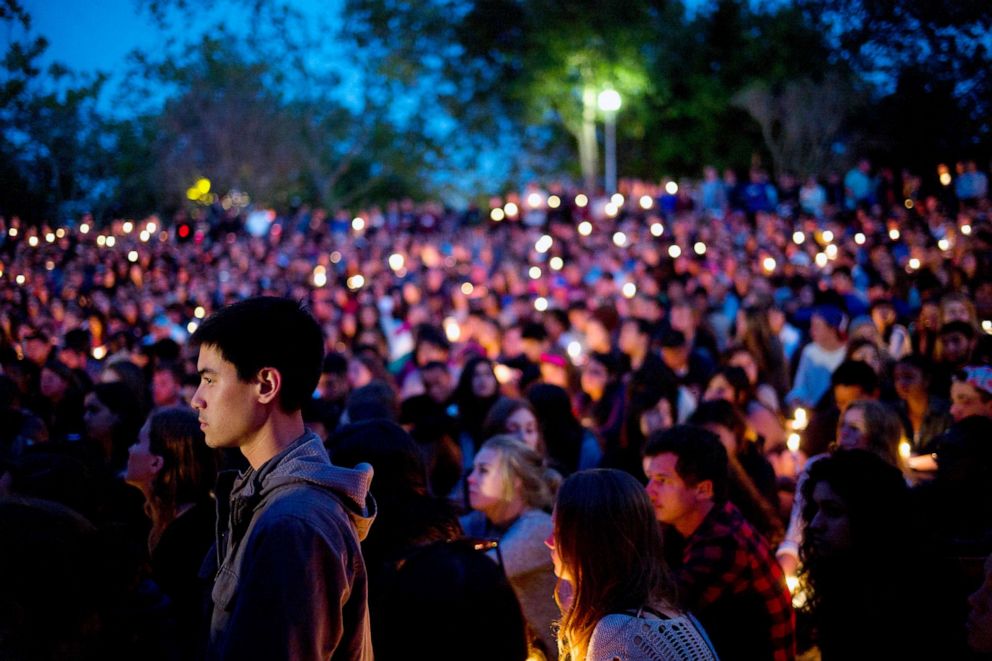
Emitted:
pixel 609 103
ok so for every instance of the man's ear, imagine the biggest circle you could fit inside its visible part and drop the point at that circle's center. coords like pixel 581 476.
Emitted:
pixel 269 384
pixel 704 490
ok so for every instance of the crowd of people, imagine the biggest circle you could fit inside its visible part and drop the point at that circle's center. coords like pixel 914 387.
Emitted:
pixel 699 419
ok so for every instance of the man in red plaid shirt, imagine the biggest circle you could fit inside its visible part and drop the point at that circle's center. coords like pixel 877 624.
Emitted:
pixel 728 576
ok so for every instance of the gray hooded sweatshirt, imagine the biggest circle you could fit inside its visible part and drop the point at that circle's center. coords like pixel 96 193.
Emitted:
pixel 291 581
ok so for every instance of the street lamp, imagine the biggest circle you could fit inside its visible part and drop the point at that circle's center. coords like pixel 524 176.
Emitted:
pixel 609 103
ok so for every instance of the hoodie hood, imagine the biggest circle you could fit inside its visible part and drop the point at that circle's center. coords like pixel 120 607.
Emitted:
pixel 306 461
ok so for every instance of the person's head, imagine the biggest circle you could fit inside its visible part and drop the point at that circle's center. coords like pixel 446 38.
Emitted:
pixel 883 314
pixel 856 508
pixel 871 425
pixel 742 357
pixel 867 352
pixel 599 371
pixel 607 544
pixel 675 349
pixel 979 624
pixel 56 380
pixel 688 473
pixel 515 417
pixel 507 478
pixel 364 368
pixel 478 380
pixel 853 380
pixel 398 463
pixel 911 377
pixel 635 336
pixel 971 392
pixel 437 381
pixel 126 372
pixel 112 418
pixel 723 419
pixel 452 592
pixel 167 381
pixel 170 462
pixel 333 382
pixel 957 307
pixel 827 326
pixel 729 384
pixel 534 340
pixel 431 346
pixel 956 342
pixel 259 358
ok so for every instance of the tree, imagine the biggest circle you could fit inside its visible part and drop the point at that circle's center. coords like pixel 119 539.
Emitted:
pixel 50 132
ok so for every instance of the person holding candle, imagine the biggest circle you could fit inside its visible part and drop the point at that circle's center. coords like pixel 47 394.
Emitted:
pixel 511 490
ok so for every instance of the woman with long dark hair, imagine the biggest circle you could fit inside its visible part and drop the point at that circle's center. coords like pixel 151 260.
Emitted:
pixel 617 596
pixel 861 563
pixel 175 471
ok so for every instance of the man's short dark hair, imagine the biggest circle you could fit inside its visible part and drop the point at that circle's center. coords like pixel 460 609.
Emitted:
pixel 643 326
pixel 958 326
pixel 855 373
pixel 433 365
pixel 335 363
pixel 699 456
pixel 267 331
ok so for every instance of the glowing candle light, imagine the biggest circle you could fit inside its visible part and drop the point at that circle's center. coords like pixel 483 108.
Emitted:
pixel 556 263
pixel 657 229
pixel 674 252
pixel 540 304
pixel 646 202
pixel 699 248
pixel 452 330
pixel 629 290
pixel 585 228
pixel 497 214
pixel 581 200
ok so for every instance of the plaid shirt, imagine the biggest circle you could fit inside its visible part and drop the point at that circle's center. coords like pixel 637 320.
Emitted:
pixel 729 578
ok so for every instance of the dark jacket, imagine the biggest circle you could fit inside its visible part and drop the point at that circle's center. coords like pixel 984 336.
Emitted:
pixel 291 582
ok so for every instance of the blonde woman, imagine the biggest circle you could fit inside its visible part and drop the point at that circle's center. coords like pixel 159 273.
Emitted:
pixel 511 491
